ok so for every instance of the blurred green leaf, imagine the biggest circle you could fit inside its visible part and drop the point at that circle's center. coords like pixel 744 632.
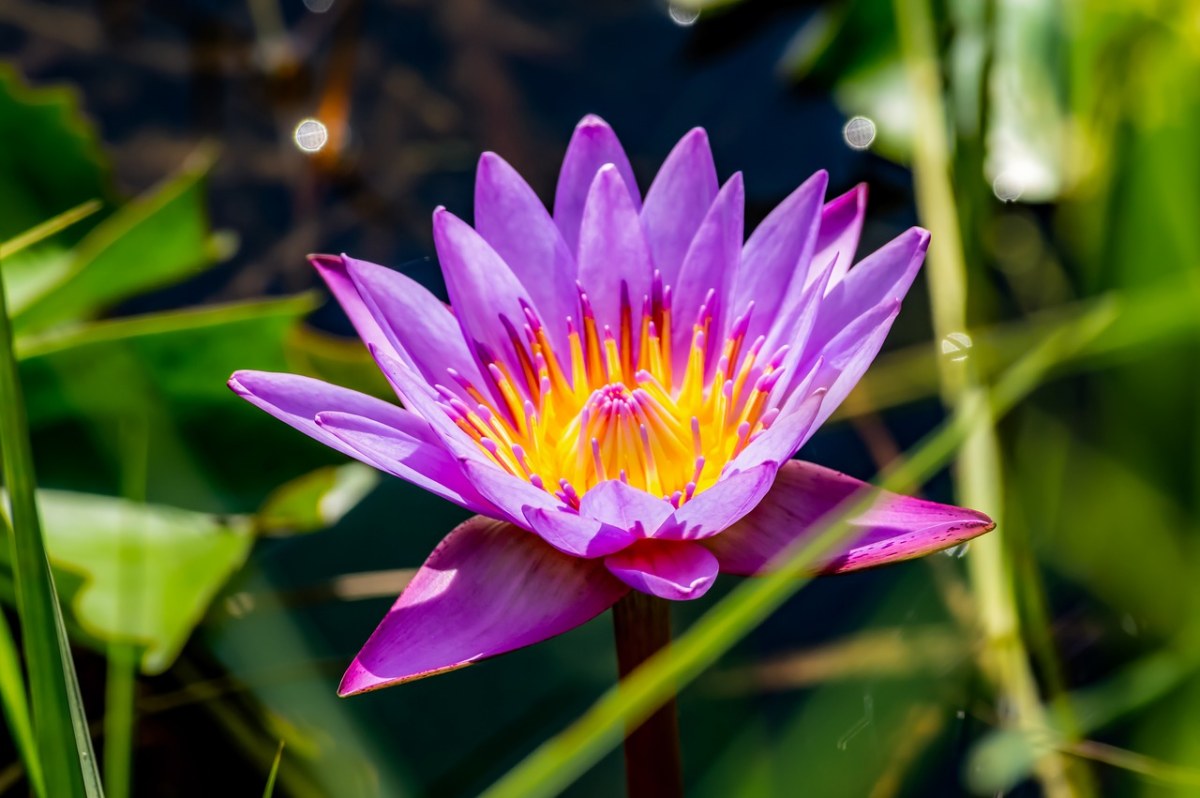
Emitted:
pixel 182 357
pixel 164 563
pixel 153 241
pixel 316 500
pixel 51 161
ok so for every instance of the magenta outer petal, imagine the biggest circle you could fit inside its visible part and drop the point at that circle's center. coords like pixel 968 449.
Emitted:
pixel 420 328
pixel 670 569
pixel 510 217
pixel 593 145
pixel 625 507
pixel 895 528
pixel 614 260
pixel 777 256
pixel 487 297
pixel 487 589
pixel 426 465
pixel 710 512
pixel 678 201
pixel 711 262
pixel 841 226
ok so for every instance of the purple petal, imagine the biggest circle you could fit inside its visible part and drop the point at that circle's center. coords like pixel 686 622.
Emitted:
pixel 332 269
pixel 575 534
pixel 710 264
pixel 419 327
pixel 593 145
pixel 614 261
pixel 895 528
pixel 426 465
pixel 670 569
pixel 881 278
pixel 712 510
pixel 678 201
pixel 296 401
pixel 848 356
pixel 841 225
pixel 625 507
pixel 776 258
pixel 487 589
pixel 487 298
pixel 510 217
pixel 797 421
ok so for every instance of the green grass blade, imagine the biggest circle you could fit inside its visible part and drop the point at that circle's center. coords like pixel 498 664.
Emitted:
pixel 120 718
pixel 60 726
pixel 274 774
pixel 48 228
pixel 562 759
pixel 15 702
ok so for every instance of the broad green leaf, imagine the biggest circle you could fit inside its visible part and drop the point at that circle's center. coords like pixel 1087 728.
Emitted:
pixel 51 161
pixel 153 241
pixel 183 357
pixel 149 572
pixel 316 500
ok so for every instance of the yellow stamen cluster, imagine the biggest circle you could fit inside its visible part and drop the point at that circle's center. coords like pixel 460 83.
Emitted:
pixel 612 408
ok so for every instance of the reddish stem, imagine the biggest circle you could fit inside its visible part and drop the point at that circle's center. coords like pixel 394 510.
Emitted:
pixel 653 766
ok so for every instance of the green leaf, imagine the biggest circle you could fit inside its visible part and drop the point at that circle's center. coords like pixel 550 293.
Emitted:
pixel 149 571
pixel 15 703
pixel 181 357
pixel 153 241
pixel 316 500
pixel 51 161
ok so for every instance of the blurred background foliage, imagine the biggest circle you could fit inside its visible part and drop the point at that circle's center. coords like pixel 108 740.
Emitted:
pixel 173 511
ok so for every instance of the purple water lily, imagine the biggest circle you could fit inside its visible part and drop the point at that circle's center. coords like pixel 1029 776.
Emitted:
pixel 617 392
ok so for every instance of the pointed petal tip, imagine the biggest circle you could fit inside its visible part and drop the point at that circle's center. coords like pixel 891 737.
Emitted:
pixel 324 261
pixel 592 121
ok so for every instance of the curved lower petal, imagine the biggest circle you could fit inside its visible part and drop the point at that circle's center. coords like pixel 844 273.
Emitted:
pixel 510 217
pixel 426 465
pixel 576 534
pixel 487 589
pixel 895 528
pixel 677 202
pixel 593 145
pixel 711 511
pixel 676 570
pixel 616 503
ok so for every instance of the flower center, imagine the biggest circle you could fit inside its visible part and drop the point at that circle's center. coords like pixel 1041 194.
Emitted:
pixel 622 405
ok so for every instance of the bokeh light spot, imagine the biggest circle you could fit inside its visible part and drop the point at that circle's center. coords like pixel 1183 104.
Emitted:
pixel 859 132
pixel 311 135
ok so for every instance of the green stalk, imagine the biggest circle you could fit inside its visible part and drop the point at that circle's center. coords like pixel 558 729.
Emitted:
pixel 120 717
pixel 16 701
pixel 978 471
pixel 60 726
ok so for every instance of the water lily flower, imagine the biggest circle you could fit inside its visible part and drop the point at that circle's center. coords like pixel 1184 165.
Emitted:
pixel 616 389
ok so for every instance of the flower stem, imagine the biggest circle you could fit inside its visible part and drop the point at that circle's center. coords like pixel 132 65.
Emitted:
pixel 653 765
